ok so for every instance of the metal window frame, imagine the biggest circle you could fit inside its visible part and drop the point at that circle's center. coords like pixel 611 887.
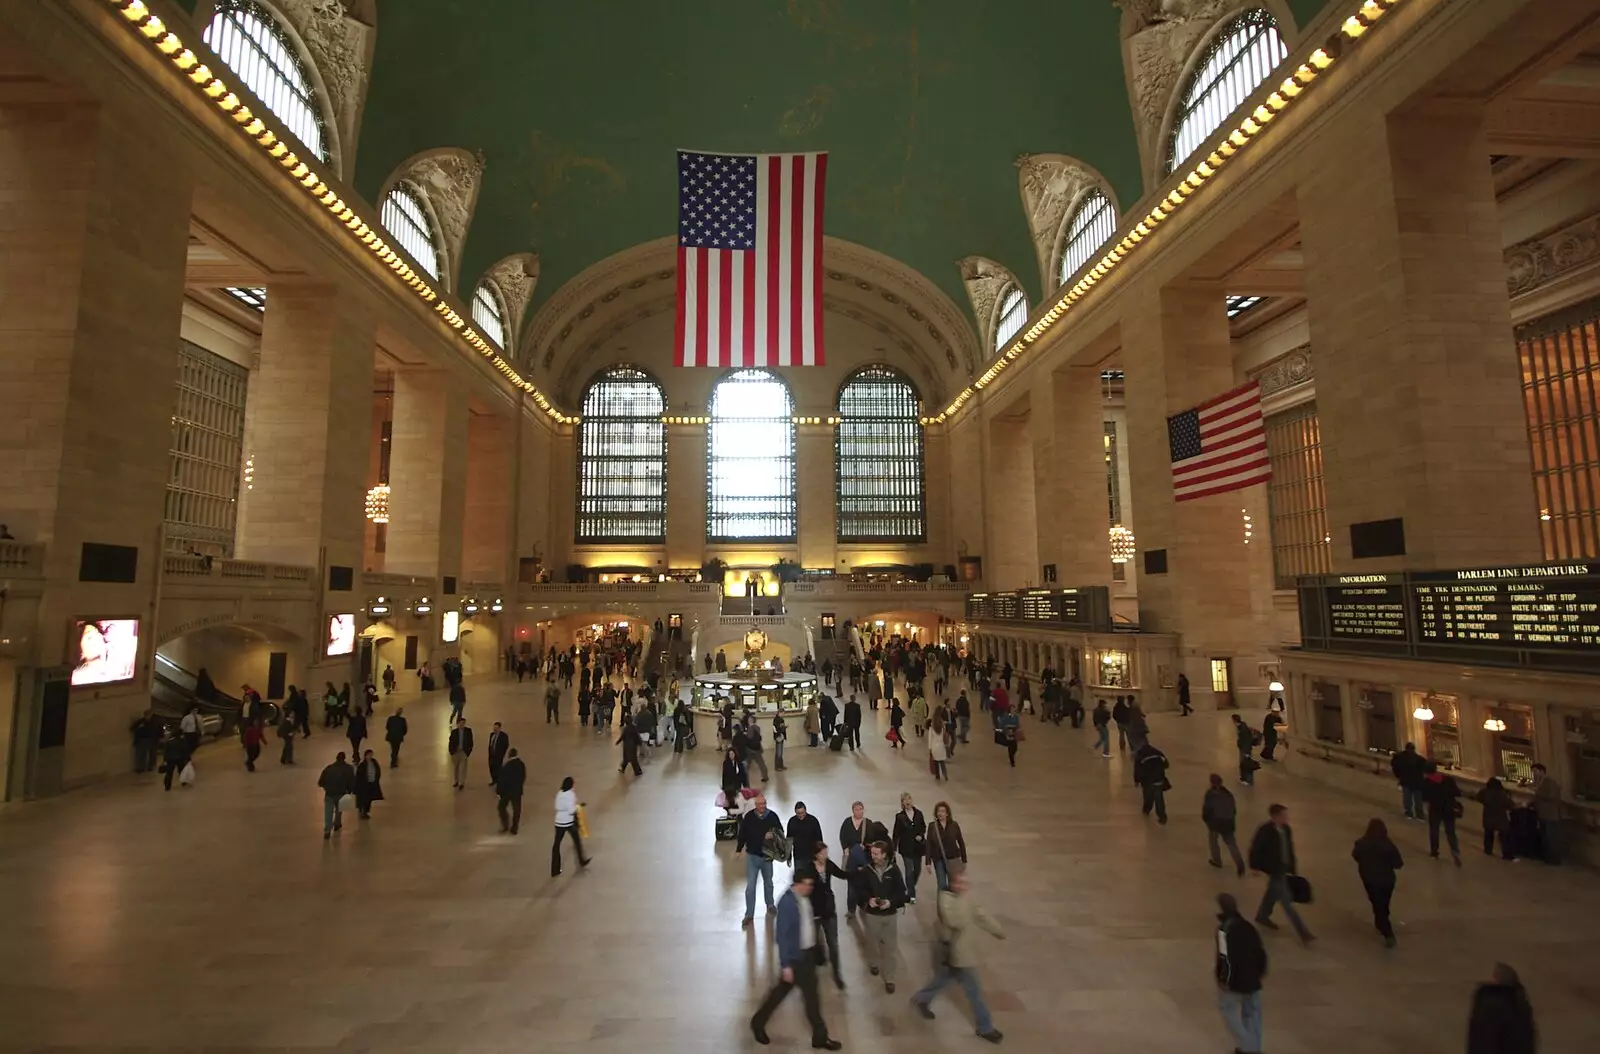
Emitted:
pixel 1559 360
pixel 793 506
pixel 292 75
pixel 415 233
pixel 1008 321
pixel 883 376
pixel 487 297
pixel 1219 80
pixel 615 373
pixel 1095 215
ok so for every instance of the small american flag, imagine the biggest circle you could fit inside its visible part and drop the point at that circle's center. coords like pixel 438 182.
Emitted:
pixel 750 259
pixel 1220 445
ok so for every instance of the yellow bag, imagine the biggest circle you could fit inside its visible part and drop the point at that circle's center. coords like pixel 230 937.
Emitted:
pixel 583 822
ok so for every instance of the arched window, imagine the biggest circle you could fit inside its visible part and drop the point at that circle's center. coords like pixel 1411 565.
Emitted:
pixel 406 219
pixel 622 459
pixel 750 459
pixel 1094 222
pixel 878 443
pixel 247 37
pixel 1013 313
pixel 488 314
pixel 1237 62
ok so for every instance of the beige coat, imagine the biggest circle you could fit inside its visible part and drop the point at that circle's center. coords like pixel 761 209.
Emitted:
pixel 813 721
pixel 959 919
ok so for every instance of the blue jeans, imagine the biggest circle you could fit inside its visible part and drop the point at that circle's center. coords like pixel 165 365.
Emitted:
pixel 755 864
pixel 331 820
pixel 1105 739
pixel 941 874
pixel 1411 802
pixel 1241 1012
pixel 1278 893
pixel 969 984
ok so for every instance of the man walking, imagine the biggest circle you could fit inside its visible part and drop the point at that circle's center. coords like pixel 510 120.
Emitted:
pixel 1183 695
pixel 1241 964
pixel 881 893
pixel 1547 806
pixel 146 731
pixel 963 715
pixel 956 958
pixel 1272 853
pixel 754 753
pixel 1245 738
pixel 852 722
pixel 337 780
pixel 460 748
pixel 394 732
pixel 552 705
pixel 797 939
pixel 1409 768
pixel 499 743
pixel 1119 714
pixel 508 784
pixel 1220 814
pixel 1150 773
pixel 388 682
pixel 754 827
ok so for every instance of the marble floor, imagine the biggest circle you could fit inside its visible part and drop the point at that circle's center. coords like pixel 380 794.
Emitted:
pixel 217 919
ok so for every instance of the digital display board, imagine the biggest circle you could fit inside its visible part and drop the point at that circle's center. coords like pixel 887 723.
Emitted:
pixel 1538 616
pixel 1087 608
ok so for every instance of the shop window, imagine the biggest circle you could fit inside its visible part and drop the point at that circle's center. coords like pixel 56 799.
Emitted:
pixel 1442 738
pixel 1560 360
pixel 1382 729
pixel 1327 704
pixel 1116 670
pixel 1510 732
pixel 1219 675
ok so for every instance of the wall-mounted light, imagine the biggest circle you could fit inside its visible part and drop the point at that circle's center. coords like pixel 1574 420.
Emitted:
pixel 1493 724
pixel 1423 712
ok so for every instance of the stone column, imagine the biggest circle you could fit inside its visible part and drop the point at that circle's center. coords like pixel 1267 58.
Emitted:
pixel 1418 392
pixel 94 220
pixel 427 475
pixel 491 485
pixel 686 495
pixel 533 490
pixel 309 431
pixel 815 466
pixel 1013 557
pixel 1069 470
pixel 1177 352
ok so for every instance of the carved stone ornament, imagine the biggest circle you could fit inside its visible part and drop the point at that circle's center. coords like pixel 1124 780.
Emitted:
pixel 340 48
pixel 1050 184
pixel 1159 36
pixel 449 178
pixel 515 277
pixel 985 280
pixel 1532 263
pixel 1289 370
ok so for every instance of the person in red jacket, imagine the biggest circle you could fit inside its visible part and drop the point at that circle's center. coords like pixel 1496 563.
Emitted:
pixel 253 735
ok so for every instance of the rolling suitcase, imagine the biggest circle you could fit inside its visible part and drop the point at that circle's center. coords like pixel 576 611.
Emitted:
pixel 836 744
pixel 727 828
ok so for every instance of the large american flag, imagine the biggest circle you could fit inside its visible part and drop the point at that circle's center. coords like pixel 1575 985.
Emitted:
pixel 750 259
pixel 1220 445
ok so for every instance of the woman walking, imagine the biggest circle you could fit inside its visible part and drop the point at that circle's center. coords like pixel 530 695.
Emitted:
pixel 780 735
pixel 567 806
pixel 939 751
pixel 732 779
pixel 1377 859
pixel 947 849
pixel 897 720
pixel 369 784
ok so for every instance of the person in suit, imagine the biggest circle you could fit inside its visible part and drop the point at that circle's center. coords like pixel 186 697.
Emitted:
pixel 499 743
pixel 369 784
pixel 394 731
pixel 460 748
pixel 1272 854
pixel 508 785
pixel 629 739
pixel 356 731
pixel 852 722
pixel 797 939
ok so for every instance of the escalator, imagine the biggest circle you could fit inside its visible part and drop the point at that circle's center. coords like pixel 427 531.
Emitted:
pixel 172 693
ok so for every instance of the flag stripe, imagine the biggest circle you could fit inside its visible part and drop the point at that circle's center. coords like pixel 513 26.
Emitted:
pixel 750 260
pixel 1220 445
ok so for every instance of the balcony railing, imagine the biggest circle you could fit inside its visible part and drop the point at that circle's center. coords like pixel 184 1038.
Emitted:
pixel 183 565
pixel 20 557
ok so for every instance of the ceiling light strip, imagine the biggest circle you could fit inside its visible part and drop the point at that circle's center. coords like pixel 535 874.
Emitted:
pixel 1242 135
pixel 137 14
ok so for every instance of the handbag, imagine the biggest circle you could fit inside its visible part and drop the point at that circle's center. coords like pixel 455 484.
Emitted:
pixel 347 802
pixel 1299 889
pixel 186 777
pixel 583 822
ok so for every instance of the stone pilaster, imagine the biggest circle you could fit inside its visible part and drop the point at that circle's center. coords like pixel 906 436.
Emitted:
pixel 1418 394
pixel 1013 557
pixel 815 465
pixel 491 482
pixel 427 475
pixel 686 495
pixel 1069 472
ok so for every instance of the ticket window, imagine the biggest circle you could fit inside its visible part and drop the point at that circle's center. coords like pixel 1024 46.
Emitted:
pixel 1116 669
pixel 1383 732
pixel 1327 700
pixel 1582 735
pixel 1441 740
pixel 1510 732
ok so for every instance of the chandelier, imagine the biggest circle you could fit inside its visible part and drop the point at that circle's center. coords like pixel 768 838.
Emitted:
pixel 1121 544
pixel 378 503
pixel 1494 724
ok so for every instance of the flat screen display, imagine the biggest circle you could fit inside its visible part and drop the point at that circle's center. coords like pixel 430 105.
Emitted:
pixel 452 626
pixel 108 650
pixel 341 634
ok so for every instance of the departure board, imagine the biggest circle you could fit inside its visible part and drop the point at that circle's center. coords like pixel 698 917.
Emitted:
pixel 1539 616
pixel 1085 608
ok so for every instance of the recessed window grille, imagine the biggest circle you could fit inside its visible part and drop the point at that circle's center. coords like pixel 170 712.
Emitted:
pixel 1013 313
pixel 253 297
pixel 1296 496
pixel 1238 61
pixel 1238 305
pixel 247 37
pixel 487 313
pixel 622 459
pixel 1092 225
pixel 404 216
pixel 878 445
pixel 204 464
pixel 750 459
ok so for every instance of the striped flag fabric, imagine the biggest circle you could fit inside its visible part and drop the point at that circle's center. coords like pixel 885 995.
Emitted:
pixel 1220 445
pixel 750 259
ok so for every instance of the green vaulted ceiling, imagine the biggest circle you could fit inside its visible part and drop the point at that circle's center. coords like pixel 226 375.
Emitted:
pixel 579 106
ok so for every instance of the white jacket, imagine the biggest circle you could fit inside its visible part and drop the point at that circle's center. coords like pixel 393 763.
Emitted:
pixel 566 808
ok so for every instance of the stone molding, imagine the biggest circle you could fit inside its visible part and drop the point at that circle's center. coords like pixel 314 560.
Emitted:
pixel 1289 370
pixel 1540 260
pixel 448 179
pixel 514 277
pixel 339 48
pixel 985 280
pixel 1052 186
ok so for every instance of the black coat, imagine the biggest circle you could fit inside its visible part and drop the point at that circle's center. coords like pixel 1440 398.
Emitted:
pixel 1408 767
pixel 946 843
pixel 356 728
pixel 890 886
pixel 513 774
pixel 753 828
pixel 806 834
pixel 499 743
pixel 823 907
pixel 852 714
pixel 849 837
pixel 1377 859
pixel 1219 810
pixel 369 785
pixel 732 780
pixel 1501 1021
pixel 1270 853
pixel 1150 767
pixel 1241 958
pixel 461 740
pixel 1440 794
pixel 394 729
pixel 910 833
pixel 1497 806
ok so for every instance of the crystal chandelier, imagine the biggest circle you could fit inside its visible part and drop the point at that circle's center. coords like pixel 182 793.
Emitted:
pixel 378 503
pixel 1121 544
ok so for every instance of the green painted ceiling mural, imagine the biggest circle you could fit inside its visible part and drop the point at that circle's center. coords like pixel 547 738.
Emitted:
pixel 579 107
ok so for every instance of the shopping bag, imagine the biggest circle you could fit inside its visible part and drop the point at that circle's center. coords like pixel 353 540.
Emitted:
pixel 583 822
pixel 722 799
pixel 186 777
pixel 347 802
